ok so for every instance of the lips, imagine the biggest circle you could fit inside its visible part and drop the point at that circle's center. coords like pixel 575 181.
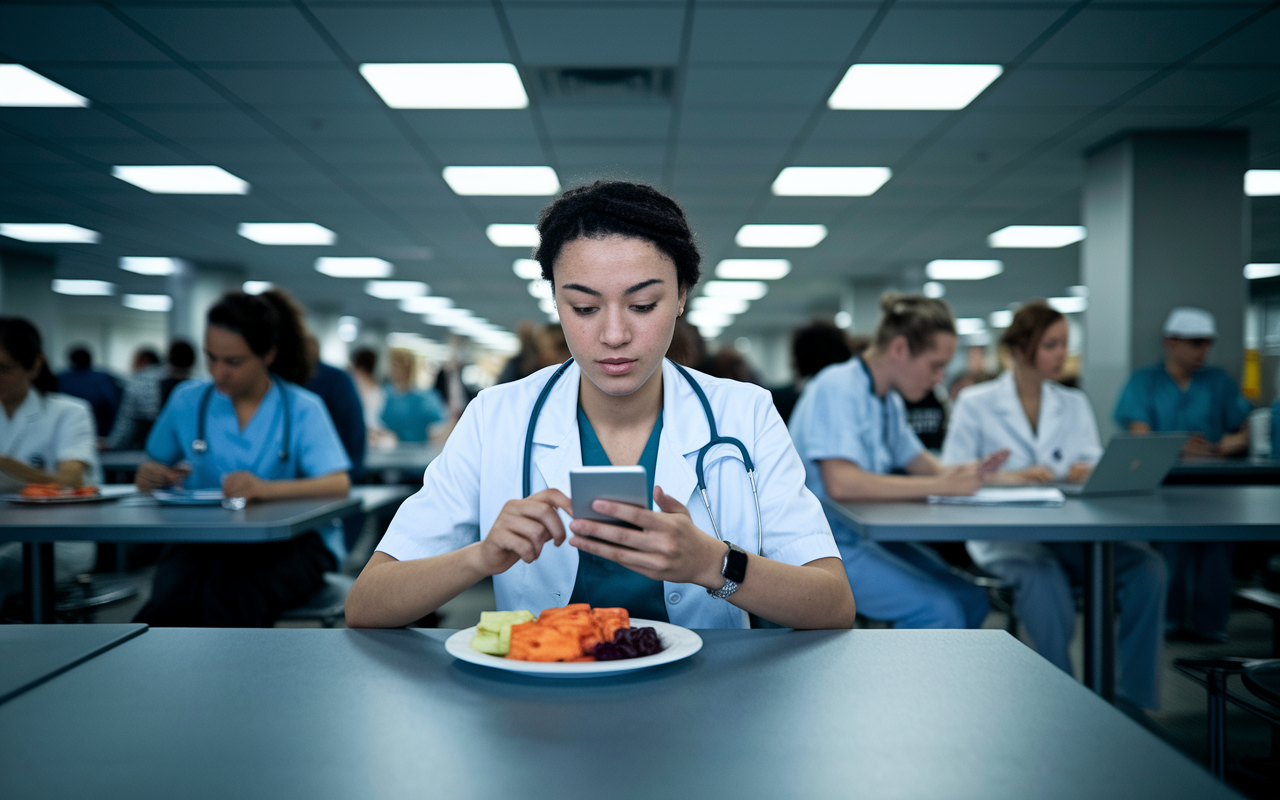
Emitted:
pixel 616 366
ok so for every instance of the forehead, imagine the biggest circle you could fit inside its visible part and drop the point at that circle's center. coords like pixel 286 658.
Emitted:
pixel 225 342
pixel 603 262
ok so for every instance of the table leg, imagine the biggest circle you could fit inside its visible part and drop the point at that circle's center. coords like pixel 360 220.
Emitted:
pixel 37 580
pixel 1100 620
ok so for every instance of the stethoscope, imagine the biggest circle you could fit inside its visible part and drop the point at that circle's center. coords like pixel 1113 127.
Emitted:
pixel 200 445
pixel 716 439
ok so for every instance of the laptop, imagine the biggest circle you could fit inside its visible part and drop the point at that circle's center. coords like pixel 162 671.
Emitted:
pixel 1132 464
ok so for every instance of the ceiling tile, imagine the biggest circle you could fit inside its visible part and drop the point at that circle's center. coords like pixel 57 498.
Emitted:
pixel 32 33
pixel 598 35
pixel 1125 35
pixel 415 34
pixel 234 33
pixel 795 35
pixel 930 36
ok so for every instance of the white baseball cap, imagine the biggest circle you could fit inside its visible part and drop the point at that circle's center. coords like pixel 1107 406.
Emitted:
pixel 1190 323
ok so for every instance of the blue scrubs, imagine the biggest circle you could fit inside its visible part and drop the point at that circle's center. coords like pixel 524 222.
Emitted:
pixel 408 415
pixel 839 416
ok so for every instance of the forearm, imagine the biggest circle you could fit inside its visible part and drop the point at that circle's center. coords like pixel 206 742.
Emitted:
pixel 1234 443
pixel 391 593
pixel 814 596
pixel 336 483
pixel 70 473
pixel 871 486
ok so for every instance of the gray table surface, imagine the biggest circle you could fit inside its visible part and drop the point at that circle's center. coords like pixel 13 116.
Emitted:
pixel 409 457
pixel 31 654
pixel 1171 513
pixel 756 714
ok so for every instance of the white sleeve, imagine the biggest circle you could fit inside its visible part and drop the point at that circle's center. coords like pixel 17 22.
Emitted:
pixel 1090 442
pixel 964 433
pixel 444 515
pixel 74 436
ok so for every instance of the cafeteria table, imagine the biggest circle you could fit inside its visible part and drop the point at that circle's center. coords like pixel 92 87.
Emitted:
pixel 1169 514
pixel 403 463
pixel 1220 471
pixel 32 654
pixel 776 714
pixel 140 518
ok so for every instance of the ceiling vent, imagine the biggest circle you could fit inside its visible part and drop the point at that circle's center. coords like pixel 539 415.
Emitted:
pixel 605 84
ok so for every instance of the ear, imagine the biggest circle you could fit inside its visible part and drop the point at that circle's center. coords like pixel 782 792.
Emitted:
pixel 899 349
pixel 269 358
pixel 684 296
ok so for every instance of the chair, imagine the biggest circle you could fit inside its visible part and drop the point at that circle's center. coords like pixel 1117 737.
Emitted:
pixel 1212 673
pixel 77 601
pixel 1268 602
pixel 327 605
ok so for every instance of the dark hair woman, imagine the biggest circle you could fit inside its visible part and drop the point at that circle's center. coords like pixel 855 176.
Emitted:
pixel 253 433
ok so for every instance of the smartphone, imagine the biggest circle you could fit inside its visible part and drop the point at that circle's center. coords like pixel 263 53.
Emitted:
pixel 619 484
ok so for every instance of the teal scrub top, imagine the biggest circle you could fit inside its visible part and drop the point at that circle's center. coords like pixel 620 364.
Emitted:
pixel 604 583
pixel 1211 405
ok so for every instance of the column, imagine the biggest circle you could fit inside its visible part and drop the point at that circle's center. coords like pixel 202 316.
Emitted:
pixel 1167 226
pixel 194 288
pixel 26 290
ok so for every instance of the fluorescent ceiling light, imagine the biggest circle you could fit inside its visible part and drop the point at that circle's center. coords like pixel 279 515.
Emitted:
pixel 84 288
pixel 425 305
pixel 256 287
pixel 935 290
pixel 742 290
pixel 182 180
pixel 447 318
pixel 287 233
pixel 962 269
pixel 502 181
pixel 1078 291
pixel 513 235
pixel 359 267
pixel 942 87
pixel 148 302
pixel 527 269
pixel 1036 236
pixel 149 265
pixel 541 289
pixel 49 232
pixel 348 328
pixel 843 319
pixel 967 326
pixel 713 319
pixel 447 85
pixel 780 235
pixel 1255 271
pixel 396 290
pixel 726 305
pixel 22 88
pixel 1262 182
pixel 830 181
pixel 1000 319
pixel 1068 305
pixel 754 269
pixel 547 305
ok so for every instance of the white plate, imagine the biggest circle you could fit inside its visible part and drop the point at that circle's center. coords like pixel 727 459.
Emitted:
pixel 677 643
pixel 189 497
pixel 105 493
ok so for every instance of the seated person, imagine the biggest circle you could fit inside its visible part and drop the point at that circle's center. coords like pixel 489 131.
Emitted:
pixel 851 431
pixel 409 412
pixel 1182 394
pixel 621 259
pixel 45 437
pixel 145 394
pixel 1051 435
pixel 95 387
pixel 252 432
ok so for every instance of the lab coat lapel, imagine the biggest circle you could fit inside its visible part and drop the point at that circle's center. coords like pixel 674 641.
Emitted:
pixel 684 432
pixel 1009 410
pixel 557 447
pixel 1051 409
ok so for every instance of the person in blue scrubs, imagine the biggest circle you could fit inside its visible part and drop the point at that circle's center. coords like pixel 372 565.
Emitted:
pixel 1182 394
pixel 255 353
pixel 409 412
pixel 850 428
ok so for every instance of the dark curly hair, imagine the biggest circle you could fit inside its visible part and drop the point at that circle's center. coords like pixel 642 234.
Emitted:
pixel 817 345
pixel 20 339
pixel 607 208
pixel 271 320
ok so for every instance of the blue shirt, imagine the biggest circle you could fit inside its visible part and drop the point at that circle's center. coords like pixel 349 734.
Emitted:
pixel 338 392
pixel 314 447
pixel 98 390
pixel 839 416
pixel 1211 405
pixel 409 415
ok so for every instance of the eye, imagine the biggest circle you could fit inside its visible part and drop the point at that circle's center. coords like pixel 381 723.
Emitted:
pixel 646 308
pixel 583 311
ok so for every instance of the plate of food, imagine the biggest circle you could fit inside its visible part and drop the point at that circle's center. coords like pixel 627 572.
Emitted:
pixel 576 641
pixel 52 494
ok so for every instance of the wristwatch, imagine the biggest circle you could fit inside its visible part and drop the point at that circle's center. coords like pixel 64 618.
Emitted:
pixel 734 571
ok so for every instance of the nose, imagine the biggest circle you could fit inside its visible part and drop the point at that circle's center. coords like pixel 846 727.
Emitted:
pixel 615 331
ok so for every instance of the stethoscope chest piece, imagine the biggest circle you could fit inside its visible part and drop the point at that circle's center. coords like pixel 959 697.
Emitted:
pixel 200 447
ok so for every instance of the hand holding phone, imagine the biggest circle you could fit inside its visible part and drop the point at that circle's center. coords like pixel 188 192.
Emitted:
pixel 619 484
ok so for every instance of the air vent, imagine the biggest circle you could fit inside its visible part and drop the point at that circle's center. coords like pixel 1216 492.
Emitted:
pixel 605 85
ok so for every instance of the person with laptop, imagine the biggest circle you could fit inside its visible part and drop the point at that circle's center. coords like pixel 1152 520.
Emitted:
pixel 1182 394
pixel 1051 436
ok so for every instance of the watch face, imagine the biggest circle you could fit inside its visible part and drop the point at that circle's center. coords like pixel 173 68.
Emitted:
pixel 735 566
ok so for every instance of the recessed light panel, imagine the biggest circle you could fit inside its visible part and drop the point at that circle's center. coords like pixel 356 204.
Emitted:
pixel 830 181
pixel 541 289
pixel 49 233
pixel 149 265
pixel 354 267
pixel 967 326
pixel 256 287
pixel 396 290
pixel 1068 305
pixel 148 302
pixel 725 305
pixel 780 235
pixel 753 269
pixel 1262 182
pixel 502 181
pixel 513 235
pixel 448 317
pixel 1000 319
pixel 282 233
pixel 84 288
pixel 447 85
pixel 22 88
pixel 963 269
pixel 934 290
pixel 425 305
pixel 896 87
pixel 1039 236
pixel 741 290
pixel 709 319
pixel 527 269
pixel 182 179
pixel 1256 271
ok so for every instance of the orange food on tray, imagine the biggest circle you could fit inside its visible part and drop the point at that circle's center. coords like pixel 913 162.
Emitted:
pixel 566 634
pixel 38 490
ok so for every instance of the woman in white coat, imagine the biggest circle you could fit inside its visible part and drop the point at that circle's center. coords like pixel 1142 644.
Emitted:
pixel 621 260
pixel 1051 435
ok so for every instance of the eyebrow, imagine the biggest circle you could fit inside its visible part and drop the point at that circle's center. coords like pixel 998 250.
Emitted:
pixel 577 287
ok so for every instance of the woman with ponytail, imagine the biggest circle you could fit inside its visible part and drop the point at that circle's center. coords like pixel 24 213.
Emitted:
pixel 254 433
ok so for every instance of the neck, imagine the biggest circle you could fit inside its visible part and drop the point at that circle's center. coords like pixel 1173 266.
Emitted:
pixel 1178 372
pixel 255 393
pixel 11 403
pixel 1027 380
pixel 638 409
pixel 878 364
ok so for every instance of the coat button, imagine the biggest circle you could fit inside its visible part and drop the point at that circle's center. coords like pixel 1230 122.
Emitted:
pixel 674 598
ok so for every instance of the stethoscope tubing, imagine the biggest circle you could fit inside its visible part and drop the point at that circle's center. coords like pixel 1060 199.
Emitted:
pixel 200 445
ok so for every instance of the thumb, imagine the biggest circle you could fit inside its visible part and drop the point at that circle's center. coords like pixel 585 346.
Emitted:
pixel 668 503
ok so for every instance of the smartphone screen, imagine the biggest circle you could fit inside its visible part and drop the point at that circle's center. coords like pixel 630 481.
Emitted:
pixel 619 484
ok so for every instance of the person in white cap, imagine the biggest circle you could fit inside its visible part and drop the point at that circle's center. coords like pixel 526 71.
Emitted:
pixel 1182 394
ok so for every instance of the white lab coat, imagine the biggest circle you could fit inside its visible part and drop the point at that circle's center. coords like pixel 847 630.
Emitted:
pixel 480 468
pixel 988 417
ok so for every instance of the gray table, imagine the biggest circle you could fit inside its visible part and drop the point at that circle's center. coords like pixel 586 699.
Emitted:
pixel 757 714
pixel 1225 471
pixel 32 654
pixel 404 462
pixel 141 519
pixel 1181 513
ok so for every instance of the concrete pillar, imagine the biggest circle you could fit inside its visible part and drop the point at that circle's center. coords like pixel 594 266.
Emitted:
pixel 194 288
pixel 26 290
pixel 861 301
pixel 1168 226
